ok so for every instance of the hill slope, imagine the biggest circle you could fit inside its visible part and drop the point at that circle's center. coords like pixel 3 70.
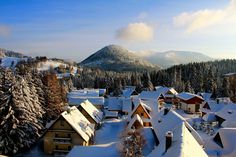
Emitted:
pixel 117 58
pixel 170 58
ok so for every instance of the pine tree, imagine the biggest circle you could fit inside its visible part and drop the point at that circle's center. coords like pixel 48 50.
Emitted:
pixel 147 84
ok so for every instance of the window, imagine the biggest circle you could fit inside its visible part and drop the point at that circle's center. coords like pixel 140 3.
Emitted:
pixel 62 122
pixel 142 114
pixel 69 147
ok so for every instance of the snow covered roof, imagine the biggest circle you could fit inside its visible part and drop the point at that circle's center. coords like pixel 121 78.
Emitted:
pixel 96 114
pixel 150 95
pixel 205 96
pixel 146 108
pixel 228 112
pixel 127 105
pixel 84 93
pixel 78 122
pixel 115 103
pixel 226 137
pixel 166 90
pixel 188 96
pixel 213 105
pixel 79 100
pixel 136 118
pixel 102 91
pixel 111 114
pixel 184 143
pixel 128 92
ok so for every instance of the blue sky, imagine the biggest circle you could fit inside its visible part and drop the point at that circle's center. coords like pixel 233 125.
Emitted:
pixel 73 29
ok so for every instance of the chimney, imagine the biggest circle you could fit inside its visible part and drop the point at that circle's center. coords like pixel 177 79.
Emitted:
pixel 166 110
pixel 169 137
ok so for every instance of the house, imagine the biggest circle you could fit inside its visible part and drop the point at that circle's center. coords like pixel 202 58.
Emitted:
pixel 143 111
pixel 175 137
pixel 210 107
pixel 189 102
pixel 153 95
pixel 226 116
pixel 71 128
pixel 222 144
pixel 169 93
pixel 93 115
pixel 135 123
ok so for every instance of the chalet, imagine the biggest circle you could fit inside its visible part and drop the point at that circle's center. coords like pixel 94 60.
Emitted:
pixel 226 116
pixel 189 102
pixel 169 93
pixel 222 143
pixel 143 111
pixel 211 106
pixel 135 123
pixel 93 115
pixel 71 128
pixel 175 137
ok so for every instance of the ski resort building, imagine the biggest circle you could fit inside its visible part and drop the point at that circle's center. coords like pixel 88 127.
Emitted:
pixel 189 102
pixel 169 93
pixel 71 128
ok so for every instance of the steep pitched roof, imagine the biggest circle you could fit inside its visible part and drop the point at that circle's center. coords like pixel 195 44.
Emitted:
pixel 165 90
pixel 146 108
pixel 127 105
pixel 79 123
pixel 213 106
pixel 228 112
pixel 94 113
pixel 150 95
pixel 188 96
pixel 136 118
pixel 222 143
pixel 184 143
pixel 128 92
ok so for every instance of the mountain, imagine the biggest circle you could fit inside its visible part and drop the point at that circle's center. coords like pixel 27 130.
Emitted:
pixel 8 53
pixel 117 58
pixel 170 58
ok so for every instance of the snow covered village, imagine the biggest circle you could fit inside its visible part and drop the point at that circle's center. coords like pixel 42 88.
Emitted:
pixel 127 78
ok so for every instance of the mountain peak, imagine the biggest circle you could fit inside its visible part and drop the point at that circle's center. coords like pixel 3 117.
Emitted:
pixel 117 58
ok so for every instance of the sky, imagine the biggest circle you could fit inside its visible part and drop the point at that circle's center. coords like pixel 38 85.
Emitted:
pixel 74 29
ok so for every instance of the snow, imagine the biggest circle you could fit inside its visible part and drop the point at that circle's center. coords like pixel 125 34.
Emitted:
pixel 106 140
pixel 188 96
pixel 78 100
pixel 184 144
pixel 7 61
pixel 111 114
pixel 127 105
pixel 92 111
pixel 228 112
pixel 84 93
pixel 78 122
pixel 150 95
pixel 115 103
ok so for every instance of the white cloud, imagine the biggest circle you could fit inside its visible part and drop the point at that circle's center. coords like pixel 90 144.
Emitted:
pixel 136 32
pixel 195 21
pixel 4 30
